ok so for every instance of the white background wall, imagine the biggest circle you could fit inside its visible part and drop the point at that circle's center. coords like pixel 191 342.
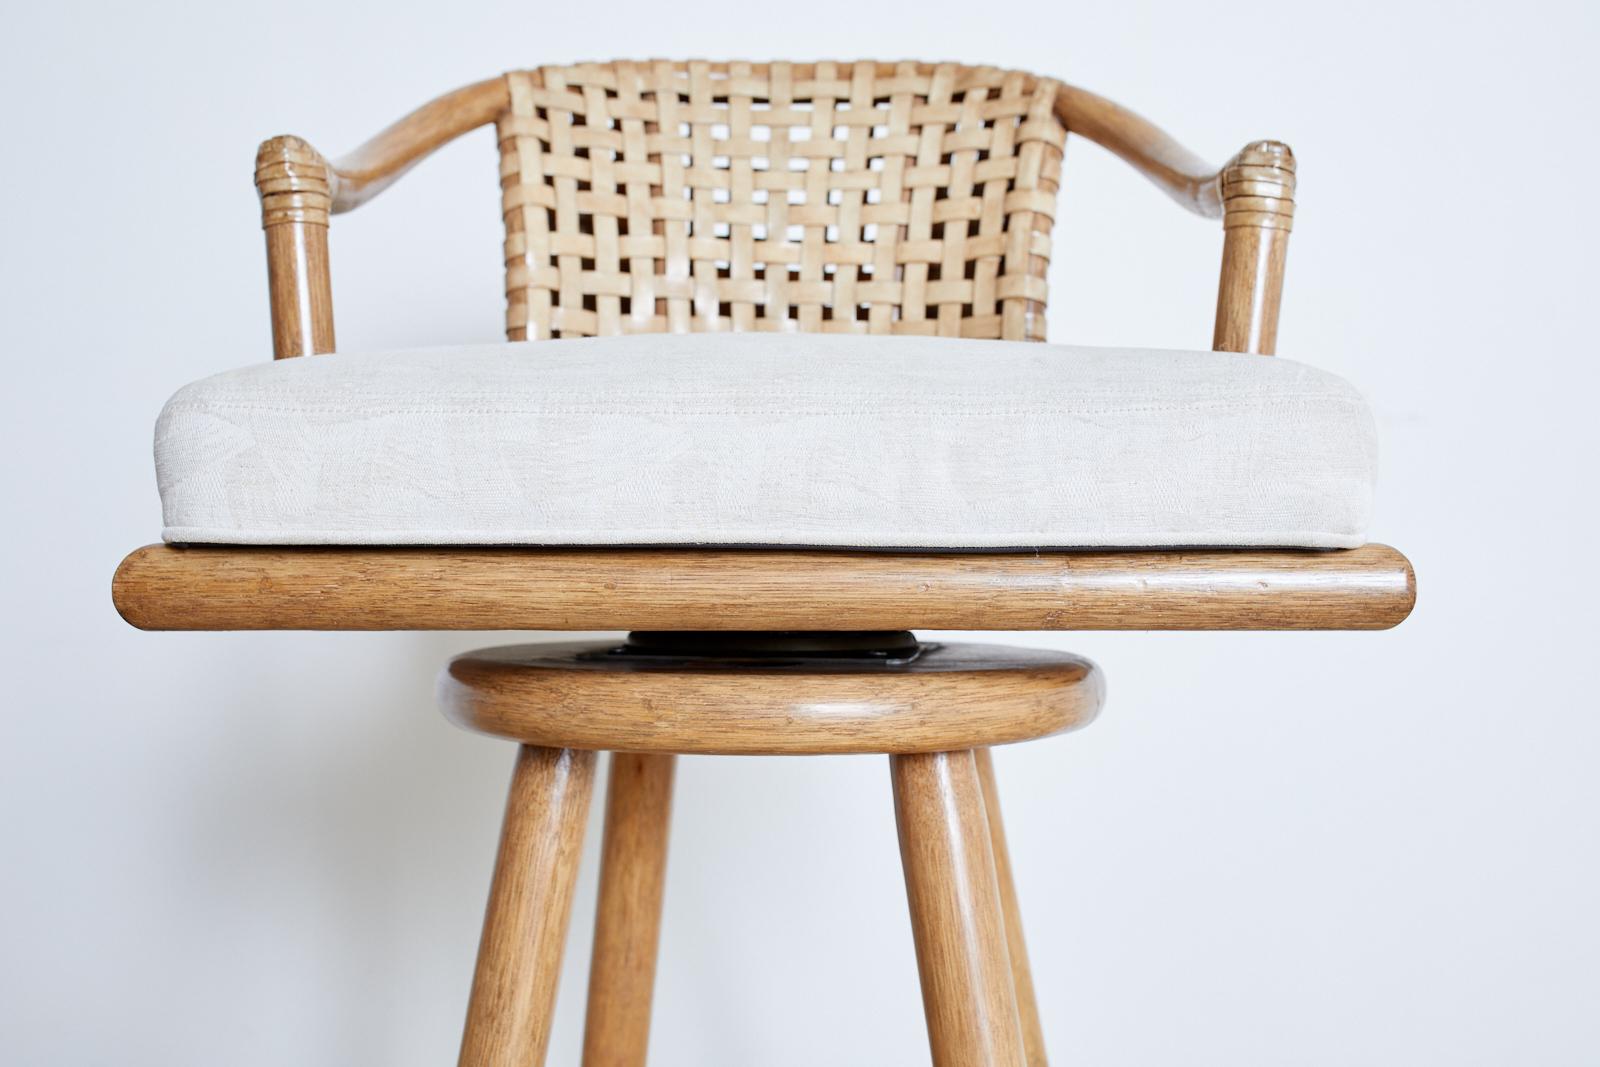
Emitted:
pixel 1312 849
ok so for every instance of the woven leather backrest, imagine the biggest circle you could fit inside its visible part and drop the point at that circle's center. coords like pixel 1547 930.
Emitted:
pixel 885 198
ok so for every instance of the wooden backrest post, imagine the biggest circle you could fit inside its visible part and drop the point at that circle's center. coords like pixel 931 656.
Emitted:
pixel 1257 215
pixel 292 180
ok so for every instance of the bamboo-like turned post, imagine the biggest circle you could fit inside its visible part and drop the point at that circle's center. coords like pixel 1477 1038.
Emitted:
pixel 292 180
pixel 1257 215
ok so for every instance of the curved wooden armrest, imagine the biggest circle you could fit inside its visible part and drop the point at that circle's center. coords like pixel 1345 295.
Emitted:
pixel 364 173
pixel 1150 150
pixel 1253 193
pixel 300 188
pixel 289 164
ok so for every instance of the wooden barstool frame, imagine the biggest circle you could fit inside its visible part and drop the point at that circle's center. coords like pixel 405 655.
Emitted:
pixel 599 241
pixel 932 709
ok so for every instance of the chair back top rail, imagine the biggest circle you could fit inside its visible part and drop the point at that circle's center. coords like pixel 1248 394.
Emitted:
pixel 361 174
pixel 596 243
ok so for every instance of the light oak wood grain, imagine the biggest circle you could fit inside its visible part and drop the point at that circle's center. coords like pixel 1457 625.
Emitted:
pixel 627 925
pixel 293 183
pixel 162 587
pixel 359 175
pixel 1258 212
pixel 525 927
pixel 1174 169
pixel 1016 946
pixel 968 992
pixel 956 696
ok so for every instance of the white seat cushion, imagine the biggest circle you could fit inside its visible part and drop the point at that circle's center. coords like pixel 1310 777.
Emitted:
pixel 771 439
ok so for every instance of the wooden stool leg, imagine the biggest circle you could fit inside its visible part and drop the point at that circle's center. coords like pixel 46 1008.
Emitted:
pixel 968 992
pixel 525 928
pixel 1016 947
pixel 627 923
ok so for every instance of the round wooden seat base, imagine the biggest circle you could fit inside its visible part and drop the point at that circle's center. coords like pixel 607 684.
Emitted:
pixel 934 709
pixel 777 694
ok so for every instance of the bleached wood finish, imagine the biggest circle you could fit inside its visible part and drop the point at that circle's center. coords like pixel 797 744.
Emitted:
pixel 162 587
pixel 1016 946
pixel 968 992
pixel 956 696
pixel 525 926
pixel 960 205
pixel 1258 213
pixel 627 924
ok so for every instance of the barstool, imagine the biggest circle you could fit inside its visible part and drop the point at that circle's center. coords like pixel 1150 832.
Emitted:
pixel 933 709
pixel 867 435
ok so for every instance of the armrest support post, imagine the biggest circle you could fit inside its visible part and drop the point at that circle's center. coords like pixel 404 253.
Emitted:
pixel 292 179
pixel 1257 214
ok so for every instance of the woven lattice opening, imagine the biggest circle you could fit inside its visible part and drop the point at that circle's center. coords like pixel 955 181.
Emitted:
pixel 846 197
